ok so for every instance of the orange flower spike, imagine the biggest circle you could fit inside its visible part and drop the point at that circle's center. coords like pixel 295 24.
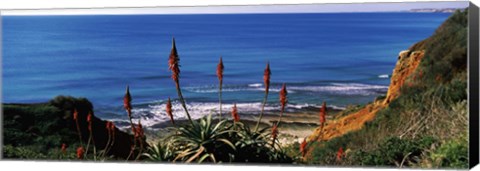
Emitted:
pixel 174 67
pixel 107 126
pixel 340 153
pixel 173 62
pixel 220 68
pixel 235 115
pixel 274 132
pixel 89 120
pixel 112 128
pixel 266 77
pixel 75 114
pixel 89 117
pixel 134 130
pixel 303 147
pixel 140 129
pixel 168 109
pixel 127 102
pixel 64 148
pixel 323 113
pixel 283 96
pixel 80 152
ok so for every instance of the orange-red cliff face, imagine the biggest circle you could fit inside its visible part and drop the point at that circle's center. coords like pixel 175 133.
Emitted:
pixel 407 63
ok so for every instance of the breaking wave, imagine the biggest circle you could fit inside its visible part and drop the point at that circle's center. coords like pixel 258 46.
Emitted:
pixel 384 76
pixel 155 113
pixel 333 88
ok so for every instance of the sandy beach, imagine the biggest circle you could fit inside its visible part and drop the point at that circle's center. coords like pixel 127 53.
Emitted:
pixel 293 127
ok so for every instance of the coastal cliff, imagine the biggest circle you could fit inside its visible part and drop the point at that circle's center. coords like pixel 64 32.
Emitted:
pixel 408 61
pixel 421 121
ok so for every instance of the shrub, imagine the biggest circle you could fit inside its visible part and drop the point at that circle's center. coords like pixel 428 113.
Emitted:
pixel 452 154
pixel 395 152
pixel 254 146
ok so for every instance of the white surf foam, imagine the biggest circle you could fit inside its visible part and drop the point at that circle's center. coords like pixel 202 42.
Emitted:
pixel 156 113
pixel 255 85
pixel 383 76
pixel 344 88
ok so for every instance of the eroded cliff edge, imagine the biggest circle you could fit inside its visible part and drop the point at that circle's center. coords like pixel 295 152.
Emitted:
pixel 408 61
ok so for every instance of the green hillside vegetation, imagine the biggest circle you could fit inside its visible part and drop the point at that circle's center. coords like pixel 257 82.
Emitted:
pixel 37 131
pixel 426 126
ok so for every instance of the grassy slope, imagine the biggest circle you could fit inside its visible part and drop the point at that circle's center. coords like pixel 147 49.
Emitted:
pixel 423 120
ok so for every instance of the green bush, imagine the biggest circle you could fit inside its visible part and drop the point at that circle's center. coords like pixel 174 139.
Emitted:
pixel 395 152
pixel 21 153
pixel 446 54
pixel 452 154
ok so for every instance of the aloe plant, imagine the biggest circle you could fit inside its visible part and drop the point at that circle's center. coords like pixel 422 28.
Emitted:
pixel 161 151
pixel 204 141
pixel 252 146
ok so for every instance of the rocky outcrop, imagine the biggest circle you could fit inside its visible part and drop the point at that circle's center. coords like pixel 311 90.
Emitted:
pixel 47 125
pixel 407 63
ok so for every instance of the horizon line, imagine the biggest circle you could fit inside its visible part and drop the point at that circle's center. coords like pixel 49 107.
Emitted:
pixel 243 9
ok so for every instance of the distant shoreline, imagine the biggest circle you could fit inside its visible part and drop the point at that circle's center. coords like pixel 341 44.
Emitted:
pixel 436 10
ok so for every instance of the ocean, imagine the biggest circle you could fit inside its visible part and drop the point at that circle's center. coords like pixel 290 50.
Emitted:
pixel 341 58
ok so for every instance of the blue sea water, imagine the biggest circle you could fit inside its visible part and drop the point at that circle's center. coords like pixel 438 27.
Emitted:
pixel 340 58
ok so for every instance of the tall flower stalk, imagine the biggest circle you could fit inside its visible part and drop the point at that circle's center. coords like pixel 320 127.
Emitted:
pixel 80 152
pixel 127 104
pixel 140 134
pixel 174 67
pixel 91 138
pixel 283 101
pixel 235 116
pixel 220 68
pixel 111 132
pixel 75 117
pixel 266 82
pixel 64 149
pixel 340 154
pixel 107 127
pixel 112 129
pixel 274 134
pixel 323 113
pixel 303 147
pixel 168 109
